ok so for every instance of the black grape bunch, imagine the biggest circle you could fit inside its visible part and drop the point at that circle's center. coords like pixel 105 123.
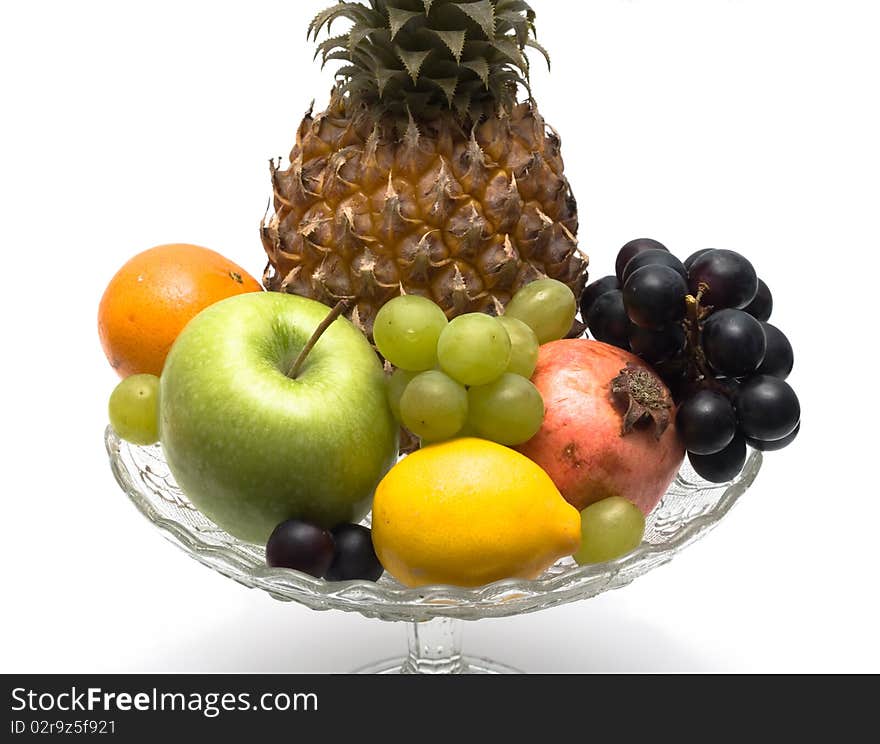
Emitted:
pixel 703 325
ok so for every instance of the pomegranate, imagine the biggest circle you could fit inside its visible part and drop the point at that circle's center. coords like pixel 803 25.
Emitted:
pixel 609 428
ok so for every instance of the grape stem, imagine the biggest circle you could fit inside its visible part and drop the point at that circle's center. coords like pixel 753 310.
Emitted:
pixel 334 314
pixel 696 313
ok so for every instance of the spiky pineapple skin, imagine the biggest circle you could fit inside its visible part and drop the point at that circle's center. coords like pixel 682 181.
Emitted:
pixel 464 218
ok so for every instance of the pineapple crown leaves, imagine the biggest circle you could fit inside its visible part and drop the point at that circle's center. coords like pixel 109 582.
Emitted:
pixel 429 56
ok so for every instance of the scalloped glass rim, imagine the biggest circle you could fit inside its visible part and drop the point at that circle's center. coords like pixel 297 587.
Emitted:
pixel 690 509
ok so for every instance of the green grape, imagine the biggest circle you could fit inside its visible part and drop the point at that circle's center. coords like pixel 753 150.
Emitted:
pixel 610 529
pixel 406 331
pixel 396 384
pixel 467 432
pixel 509 411
pixel 474 349
pixel 434 407
pixel 134 409
pixel 548 307
pixel 523 347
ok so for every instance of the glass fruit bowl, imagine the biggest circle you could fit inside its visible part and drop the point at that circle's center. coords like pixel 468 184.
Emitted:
pixel 690 508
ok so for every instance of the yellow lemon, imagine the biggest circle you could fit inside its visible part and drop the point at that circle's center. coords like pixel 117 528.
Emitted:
pixel 470 512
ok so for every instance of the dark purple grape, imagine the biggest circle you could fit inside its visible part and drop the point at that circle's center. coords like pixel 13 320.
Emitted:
pixel 726 278
pixel 767 408
pixel 657 346
pixel 654 297
pixel 734 343
pixel 355 558
pixel 608 321
pixel 678 389
pixel 632 249
pixel 653 258
pixel 595 290
pixel 300 546
pixel 778 444
pixel 728 386
pixel 762 306
pixel 779 357
pixel 706 422
pixel 689 261
pixel 723 466
pixel 674 375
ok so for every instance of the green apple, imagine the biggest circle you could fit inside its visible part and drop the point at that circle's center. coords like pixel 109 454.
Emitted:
pixel 251 447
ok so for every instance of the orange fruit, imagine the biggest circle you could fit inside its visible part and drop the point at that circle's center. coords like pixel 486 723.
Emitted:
pixel 150 300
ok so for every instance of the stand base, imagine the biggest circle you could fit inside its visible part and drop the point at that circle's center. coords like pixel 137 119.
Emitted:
pixel 435 648
pixel 467 665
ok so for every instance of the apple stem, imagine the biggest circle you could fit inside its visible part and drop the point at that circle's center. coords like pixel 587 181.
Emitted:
pixel 316 336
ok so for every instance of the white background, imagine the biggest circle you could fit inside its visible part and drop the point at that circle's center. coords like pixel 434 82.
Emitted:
pixel 749 124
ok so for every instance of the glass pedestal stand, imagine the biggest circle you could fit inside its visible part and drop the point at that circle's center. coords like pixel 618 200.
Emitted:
pixel 689 510
pixel 435 648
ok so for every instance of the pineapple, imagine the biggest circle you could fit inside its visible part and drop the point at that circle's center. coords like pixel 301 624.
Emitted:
pixel 425 175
